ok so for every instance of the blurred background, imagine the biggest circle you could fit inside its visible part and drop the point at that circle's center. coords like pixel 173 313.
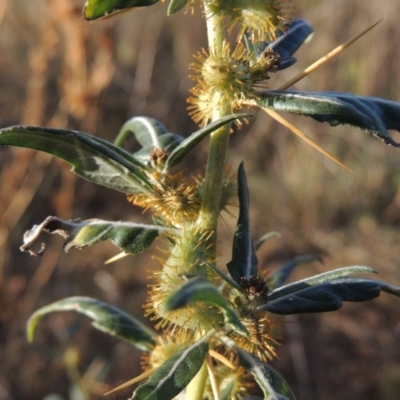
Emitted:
pixel 58 70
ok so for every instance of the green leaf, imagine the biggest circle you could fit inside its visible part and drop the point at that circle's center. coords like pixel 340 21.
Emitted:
pixel 317 280
pixel 244 263
pixel 264 238
pixel 280 276
pixel 130 237
pixel 371 114
pixel 329 296
pixel 187 145
pixel 95 9
pixel 174 375
pixel 150 134
pixel 270 381
pixel 105 317
pixel 200 289
pixel 176 5
pixel 223 276
pixel 93 159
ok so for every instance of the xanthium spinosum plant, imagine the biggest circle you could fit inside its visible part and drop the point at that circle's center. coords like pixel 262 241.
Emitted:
pixel 214 331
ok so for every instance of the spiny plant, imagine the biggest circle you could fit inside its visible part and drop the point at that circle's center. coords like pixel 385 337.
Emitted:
pixel 214 331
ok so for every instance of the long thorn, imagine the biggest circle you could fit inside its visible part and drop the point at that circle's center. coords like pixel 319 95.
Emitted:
pixel 303 136
pixel 116 258
pixel 131 382
pixel 213 380
pixel 325 58
pixel 221 359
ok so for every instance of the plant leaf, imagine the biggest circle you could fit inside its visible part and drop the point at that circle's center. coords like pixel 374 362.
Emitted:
pixel 105 317
pixel 130 237
pixel 201 289
pixel 270 381
pixel 176 5
pixel 150 134
pixel 187 145
pixel 328 296
pixel 174 375
pixel 317 280
pixel 95 9
pixel 371 114
pixel 244 260
pixel 290 41
pixel 93 159
pixel 280 276
pixel 224 276
pixel 264 238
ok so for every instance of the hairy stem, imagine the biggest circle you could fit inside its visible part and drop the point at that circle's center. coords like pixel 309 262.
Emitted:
pixel 219 139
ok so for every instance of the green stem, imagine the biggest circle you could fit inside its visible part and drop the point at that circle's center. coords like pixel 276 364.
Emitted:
pixel 219 139
pixel 195 389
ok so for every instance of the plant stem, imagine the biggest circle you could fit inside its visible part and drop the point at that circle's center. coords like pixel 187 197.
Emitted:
pixel 219 139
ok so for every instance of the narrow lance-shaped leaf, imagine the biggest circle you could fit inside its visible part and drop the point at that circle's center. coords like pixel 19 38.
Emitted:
pixel 290 41
pixel 270 381
pixel 130 237
pixel 317 280
pixel 106 318
pixel 187 145
pixel 371 114
pixel 95 9
pixel 202 290
pixel 93 159
pixel 174 375
pixel 329 296
pixel 150 134
pixel 283 273
pixel 287 43
pixel 244 260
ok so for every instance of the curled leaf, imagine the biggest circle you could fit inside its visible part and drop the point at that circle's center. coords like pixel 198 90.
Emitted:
pixel 91 158
pixel 202 290
pixel 130 237
pixel 375 116
pixel 105 317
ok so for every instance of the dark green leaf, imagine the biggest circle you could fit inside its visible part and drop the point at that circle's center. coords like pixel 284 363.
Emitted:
pixel 225 277
pixel 176 5
pixel 130 237
pixel 187 145
pixel 244 260
pixel 150 134
pixel 270 381
pixel 93 159
pixel 280 276
pixel 371 114
pixel 328 296
pixel 202 290
pixel 174 375
pixel 290 41
pixel 105 317
pixel 317 280
pixel 95 9
pixel 287 43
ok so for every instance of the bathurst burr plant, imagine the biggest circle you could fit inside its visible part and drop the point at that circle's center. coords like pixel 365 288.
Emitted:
pixel 214 328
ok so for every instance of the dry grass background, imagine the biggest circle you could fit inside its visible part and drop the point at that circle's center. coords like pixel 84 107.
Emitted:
pixel 57 70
